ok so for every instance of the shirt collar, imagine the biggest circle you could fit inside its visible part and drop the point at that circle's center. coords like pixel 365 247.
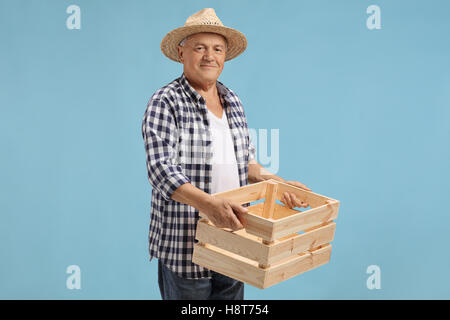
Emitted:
pixel 222 89
pixel 190 90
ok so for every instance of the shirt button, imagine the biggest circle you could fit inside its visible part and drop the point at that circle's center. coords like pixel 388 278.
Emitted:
pixel 206 180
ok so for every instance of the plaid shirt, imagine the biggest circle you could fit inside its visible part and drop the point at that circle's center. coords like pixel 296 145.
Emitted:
pixel 177 138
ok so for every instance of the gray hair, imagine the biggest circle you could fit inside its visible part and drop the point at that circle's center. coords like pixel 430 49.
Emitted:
pixel 183 42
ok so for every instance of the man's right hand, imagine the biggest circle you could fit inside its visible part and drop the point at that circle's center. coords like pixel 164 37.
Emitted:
pixel 224 213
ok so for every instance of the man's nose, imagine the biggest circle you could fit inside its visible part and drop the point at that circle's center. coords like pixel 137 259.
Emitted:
pixel 208 55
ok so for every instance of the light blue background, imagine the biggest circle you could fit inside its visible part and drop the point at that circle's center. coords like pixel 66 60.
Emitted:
pixel 364 117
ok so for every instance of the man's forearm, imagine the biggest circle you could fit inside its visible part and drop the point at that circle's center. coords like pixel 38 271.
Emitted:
pixel 222 212
pixel 193 196
pixel 257 173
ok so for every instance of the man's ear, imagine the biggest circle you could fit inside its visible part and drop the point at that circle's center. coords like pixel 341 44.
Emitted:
pixel 180 53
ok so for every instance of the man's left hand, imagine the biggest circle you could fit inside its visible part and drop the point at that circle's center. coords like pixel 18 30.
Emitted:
pixel 290 200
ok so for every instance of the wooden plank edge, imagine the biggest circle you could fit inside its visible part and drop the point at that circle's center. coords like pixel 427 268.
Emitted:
pixel 301 242
pixel 305 220
pixel 232 241
pixel 314 199
pixel 230 265
pixel 296 266
pixel 248 193
pixel 259 226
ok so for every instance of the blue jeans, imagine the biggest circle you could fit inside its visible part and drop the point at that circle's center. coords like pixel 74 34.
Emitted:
pixel 220 287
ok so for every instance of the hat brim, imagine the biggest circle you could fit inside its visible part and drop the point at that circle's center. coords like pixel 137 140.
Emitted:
pixel 237 42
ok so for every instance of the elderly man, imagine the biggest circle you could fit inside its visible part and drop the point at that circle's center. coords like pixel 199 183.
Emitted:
pixel 197 144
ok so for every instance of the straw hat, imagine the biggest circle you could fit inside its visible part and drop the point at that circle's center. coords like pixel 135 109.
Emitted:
pixel 205 20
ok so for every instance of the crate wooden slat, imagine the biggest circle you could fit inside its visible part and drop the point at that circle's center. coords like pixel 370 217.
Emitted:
pixel 271 248
pixel 252 247
pixel 248 271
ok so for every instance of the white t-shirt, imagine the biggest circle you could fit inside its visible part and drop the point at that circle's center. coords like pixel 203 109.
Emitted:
pixel 225 175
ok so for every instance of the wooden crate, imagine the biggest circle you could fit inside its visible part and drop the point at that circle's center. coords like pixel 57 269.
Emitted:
pixel 271 248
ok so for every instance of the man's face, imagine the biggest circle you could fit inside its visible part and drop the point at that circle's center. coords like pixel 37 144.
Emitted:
pixel 203 57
